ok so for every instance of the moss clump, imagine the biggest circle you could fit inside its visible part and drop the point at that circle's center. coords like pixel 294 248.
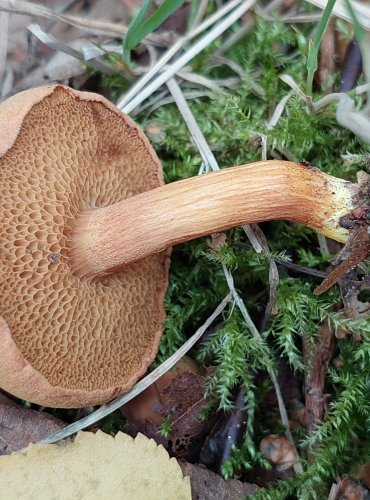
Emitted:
pixel 233 122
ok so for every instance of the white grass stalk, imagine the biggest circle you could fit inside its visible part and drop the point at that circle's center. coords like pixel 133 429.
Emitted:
pixel 200 45
pixel 140 386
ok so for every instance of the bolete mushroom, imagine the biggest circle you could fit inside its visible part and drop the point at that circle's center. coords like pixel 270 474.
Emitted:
pixel 67 341
pixel 85 228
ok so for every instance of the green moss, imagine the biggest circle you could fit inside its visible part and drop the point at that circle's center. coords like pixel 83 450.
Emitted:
pixel 231 122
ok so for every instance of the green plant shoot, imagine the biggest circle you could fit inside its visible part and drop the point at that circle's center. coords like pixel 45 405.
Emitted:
pixel 314 45
pixel 140 28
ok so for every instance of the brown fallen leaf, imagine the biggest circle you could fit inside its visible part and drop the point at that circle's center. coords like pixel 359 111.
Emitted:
pixel 349 489
pixel 366 475
pixel 326 69
pixel 181 401
pixel 178 21
pixel 208 485
pixel 21 426
pixel 148 404
pixel 351 67
pixel 94 466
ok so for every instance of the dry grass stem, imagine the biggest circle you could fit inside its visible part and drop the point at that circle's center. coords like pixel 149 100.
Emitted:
pixel 362 10
pixel 74 49
pixel 163 98
pixel 53 43
pixel 203 81
pixel 278 111
pixel 205 151
pixel 36 10
pixel 198 46
pixel 202 9
pixel 256 334
pixel 176 47
pixel 4 21
pixel 210 161
pixel 140 386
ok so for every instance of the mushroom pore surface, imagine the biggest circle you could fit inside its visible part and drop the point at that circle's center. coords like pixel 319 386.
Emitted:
pixel 77 341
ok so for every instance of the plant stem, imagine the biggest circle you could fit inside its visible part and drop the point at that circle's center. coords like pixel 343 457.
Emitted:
pixel 106 239
pixel 256 334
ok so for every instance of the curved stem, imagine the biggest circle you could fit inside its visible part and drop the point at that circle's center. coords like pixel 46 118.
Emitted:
pixel 108 238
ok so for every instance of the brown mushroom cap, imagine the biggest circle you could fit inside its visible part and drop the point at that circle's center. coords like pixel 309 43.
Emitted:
pixel 67 341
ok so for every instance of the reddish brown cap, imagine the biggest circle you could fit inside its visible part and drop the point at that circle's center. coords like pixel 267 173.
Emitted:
pixel 68 341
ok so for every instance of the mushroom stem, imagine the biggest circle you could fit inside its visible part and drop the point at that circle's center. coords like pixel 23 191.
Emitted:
pixel 106 239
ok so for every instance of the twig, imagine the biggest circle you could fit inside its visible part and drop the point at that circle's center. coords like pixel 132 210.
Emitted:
pixel 318 358
pixel 289 265
pixel 140 386
pixel 259 244
pixel 4 20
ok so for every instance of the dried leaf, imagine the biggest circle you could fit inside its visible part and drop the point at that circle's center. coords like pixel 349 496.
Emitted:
pixel 349 117
pixel 184 392
pixel 21 426
pixel 364 474
pixel 181 400
pixel 148 404
pixel 351 490
pixel 206 484
pixel 326 67
pixel 94 466
pixel 351 68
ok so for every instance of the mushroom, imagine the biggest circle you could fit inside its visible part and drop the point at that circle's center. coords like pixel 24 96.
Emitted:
pixel 114 236
pixel 68 341
pixel 85 230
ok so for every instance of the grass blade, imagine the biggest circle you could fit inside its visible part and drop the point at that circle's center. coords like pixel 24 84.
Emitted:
pixel 135 24
pixel 314 45
pixel 139 28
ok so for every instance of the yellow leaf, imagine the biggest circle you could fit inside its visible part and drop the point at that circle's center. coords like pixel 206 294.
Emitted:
pixel 94 466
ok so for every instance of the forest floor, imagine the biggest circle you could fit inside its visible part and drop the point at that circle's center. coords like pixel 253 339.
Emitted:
pixel 261 386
